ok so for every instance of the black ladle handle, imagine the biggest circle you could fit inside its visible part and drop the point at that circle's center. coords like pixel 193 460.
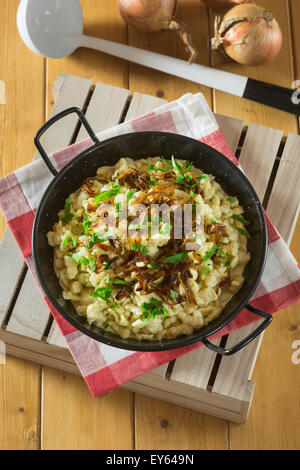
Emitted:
pixel 49 123
pixel 245 341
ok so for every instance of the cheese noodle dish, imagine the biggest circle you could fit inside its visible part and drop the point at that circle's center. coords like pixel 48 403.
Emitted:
pixel 145 273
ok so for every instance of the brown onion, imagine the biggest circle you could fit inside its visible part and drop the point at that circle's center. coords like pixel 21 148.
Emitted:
pixel 248 34
pixel 155 15
pixel 223 3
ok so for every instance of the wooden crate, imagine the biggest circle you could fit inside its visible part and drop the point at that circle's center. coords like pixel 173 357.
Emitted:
pixel 201 380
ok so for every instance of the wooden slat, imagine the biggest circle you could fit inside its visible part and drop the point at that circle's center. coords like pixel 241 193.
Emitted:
pixel 33 323
pixel 141 104
pixel 9 278
pixel 195 367
pixel 259 152
pixel 284 203
pixel 231 128
pixel 235 370
pixel 74 92
pixel 105 108
pixel 56 337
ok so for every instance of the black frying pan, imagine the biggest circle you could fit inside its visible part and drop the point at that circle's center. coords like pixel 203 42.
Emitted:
pixel 142 145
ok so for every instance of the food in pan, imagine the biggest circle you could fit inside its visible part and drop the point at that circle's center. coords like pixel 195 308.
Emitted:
pixel 150 249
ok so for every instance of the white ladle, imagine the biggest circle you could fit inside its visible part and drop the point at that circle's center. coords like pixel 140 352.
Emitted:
pixel 54 28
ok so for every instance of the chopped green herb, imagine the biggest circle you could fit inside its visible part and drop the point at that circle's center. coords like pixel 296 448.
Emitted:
pixel 107 194
pixel 240 219
pixel 92 264
pixel 152 309
pixel 188 177
pixel 68 214
pixel 213 221
pixel 211 252
pixel 227 263
pixel 86 224
pixel 174 294
pixel 141 248
pixel 105 325
pixel 231 199
pixel 188 165
pixel 152 182
pixel 69 240
pixel 103 293
pixel 113 280
pixel 192 194
pixel 175 258
pixel 206 270
pixel 107 265
pixel 202 177
pixel 180 179
pixel 138 227
pixel 243 232
pixel 96 238
pixel 166 161
pixel 176 165
pixel 130 194
pixel 151 168
pixel 79 259
pixel 153 265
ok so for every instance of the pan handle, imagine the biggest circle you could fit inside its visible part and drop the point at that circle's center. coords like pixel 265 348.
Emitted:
pixel 245 341
pixel 49 123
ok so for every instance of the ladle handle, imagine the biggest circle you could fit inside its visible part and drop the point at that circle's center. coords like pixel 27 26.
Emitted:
pixel 49 123
pixel 272 95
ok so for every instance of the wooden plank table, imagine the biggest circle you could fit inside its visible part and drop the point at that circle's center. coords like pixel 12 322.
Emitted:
pixel 44 408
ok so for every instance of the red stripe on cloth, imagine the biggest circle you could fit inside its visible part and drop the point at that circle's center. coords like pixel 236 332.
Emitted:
pixel 129 368
pixel 65 327
pixel 64 156
pixel 273 235
pixel 12 199
pixel 158 122
pixel 22 227
pixel 218 142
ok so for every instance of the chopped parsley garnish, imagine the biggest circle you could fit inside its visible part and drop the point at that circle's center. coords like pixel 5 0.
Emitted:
pixel 231 199
pixel 202 177
pixel 151 168
pixel 176 165
pixel 176 258
pixel 152 309
pixel 243 232
pixel 68 214
pixel 107 194
pixel 192 194
pixel 86 224
pixel 174 294
pixel 213 221
pixel 206 270
pixel 130 194
pixel 107 265
pixel 103 293
pixel 79 259
pixel 141 248
pixel 152 182
pixel 92 264
pixel 227 263
pixel 105 325
pixel 113 280
pixel 153 265
pixel 211 252
pixel 69 240
pixel 96 238
pixel 84 261
pixel 240 219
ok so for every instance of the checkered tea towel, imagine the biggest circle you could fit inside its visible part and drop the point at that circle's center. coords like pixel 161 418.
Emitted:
pixel 104 367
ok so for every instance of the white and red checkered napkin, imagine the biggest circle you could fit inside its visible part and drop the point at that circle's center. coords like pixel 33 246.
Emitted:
pixel 105 367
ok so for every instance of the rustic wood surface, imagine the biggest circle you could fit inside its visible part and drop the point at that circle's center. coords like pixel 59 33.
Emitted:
pixel 47 409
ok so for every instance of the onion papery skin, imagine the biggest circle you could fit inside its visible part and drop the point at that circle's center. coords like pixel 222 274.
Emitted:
pixel 147 16
pixel 249 35
pixel 223 3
